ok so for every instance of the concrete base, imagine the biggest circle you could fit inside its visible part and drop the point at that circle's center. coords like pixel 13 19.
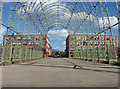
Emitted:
pixel 6 63
pixel 103 61
pixel 18 61
pixel 112 62
pixel 89 59
pixel 95 60
pixel 85 59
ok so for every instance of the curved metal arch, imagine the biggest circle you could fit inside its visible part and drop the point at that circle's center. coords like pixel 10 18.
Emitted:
pixel 47 13
pixel 44 14
pixel 53 14
pixel 74 16
pixel 56 5
pixel 52 9
pixel 58 20
pixel 28 14
pixel 52 22
pixel 40 10
pixel 64 26
pixel 61 26
pixel 52 3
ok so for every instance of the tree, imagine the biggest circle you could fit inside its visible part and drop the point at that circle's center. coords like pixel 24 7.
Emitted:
pixel 53 53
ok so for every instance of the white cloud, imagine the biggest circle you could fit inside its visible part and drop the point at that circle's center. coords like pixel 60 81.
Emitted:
pixel 57 34
pixel 60 47
pixel 64 43
pixel 2 32
pixel 31 7
pixel 57 47
pixel 113 20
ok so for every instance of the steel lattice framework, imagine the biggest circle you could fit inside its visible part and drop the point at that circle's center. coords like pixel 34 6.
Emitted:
pixel 42 15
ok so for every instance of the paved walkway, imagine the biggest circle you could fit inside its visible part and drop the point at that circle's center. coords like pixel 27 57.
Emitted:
pixel 59 72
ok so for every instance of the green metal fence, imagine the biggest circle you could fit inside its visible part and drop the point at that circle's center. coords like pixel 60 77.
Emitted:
pixel 110 54
pixel 11 53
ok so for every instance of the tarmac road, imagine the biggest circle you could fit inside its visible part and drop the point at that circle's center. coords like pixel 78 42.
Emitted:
pixel 59 72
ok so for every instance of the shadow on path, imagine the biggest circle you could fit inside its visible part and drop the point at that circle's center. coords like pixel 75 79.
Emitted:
pixel 67 67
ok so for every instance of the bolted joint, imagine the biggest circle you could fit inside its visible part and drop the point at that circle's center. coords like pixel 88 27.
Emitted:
pixel 104 27
pixel 75 2
pixel 88 13
pixel 8 27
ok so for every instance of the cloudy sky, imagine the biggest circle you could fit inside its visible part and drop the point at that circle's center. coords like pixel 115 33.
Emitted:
pixel 2 32
pixel 58 36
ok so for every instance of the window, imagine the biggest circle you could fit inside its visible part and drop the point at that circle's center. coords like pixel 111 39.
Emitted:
pixel 30 38
pixel 85 43
pixel 24 38
pixel 84 38
pixel 30 43
pixel 96 43
pixel 72 48
pixel 96 37
pixel 18 38
pixel 13 43
pixel 107 38
pixel 18 43
pixel 12 38
pixel 47 40
pixel 102 43
pixel 42 49
pixel 72 38
pixel 43 43
pixel 37 38
pixel 37 44
pixel 113 38
pixel 78 48
pixel 7 42
pixel 91 38
pixel 72 43
pixel 78 43
pixel 43 37
pixel 102 38
pixel 96 48
pixel 78 37
pixel 6 38
pixel 24 43
pixel 91 43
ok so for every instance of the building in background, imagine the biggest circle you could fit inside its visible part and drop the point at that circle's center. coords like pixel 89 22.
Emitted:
pixel 37 42
pixel 89 45
pixel 1 48
pixel 50 50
